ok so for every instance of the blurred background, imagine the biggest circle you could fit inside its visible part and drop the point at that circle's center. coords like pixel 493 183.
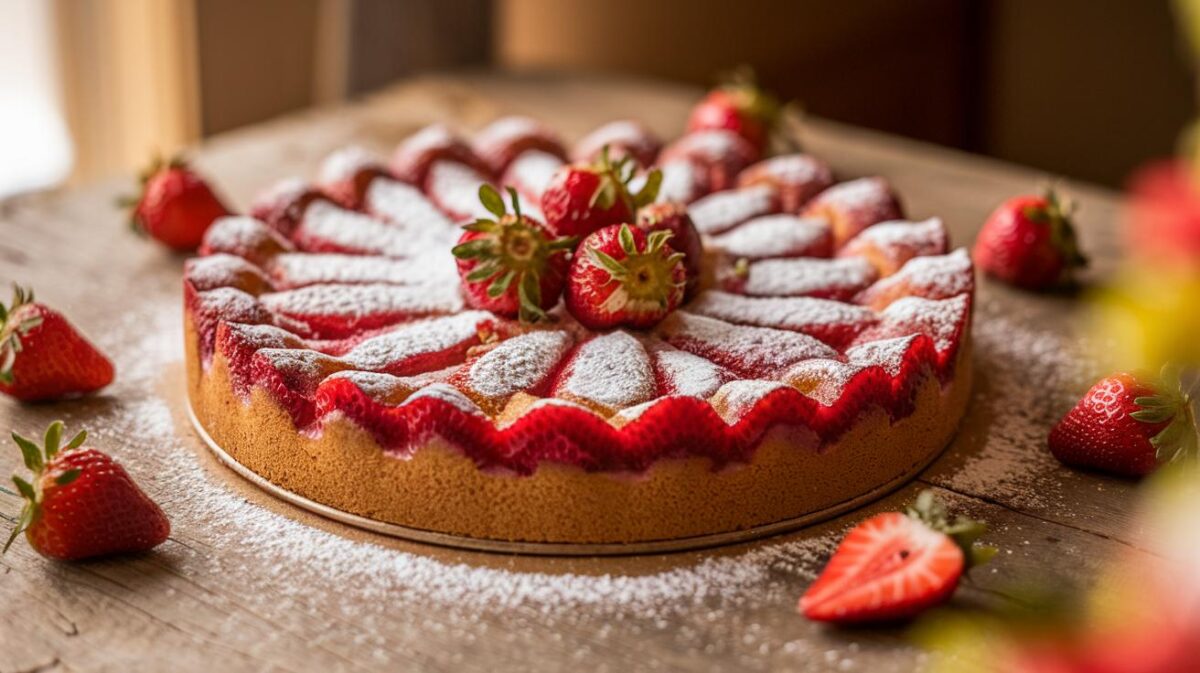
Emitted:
pixel 91 88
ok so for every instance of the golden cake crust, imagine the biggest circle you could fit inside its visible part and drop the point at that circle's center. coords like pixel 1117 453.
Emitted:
pixel 435 487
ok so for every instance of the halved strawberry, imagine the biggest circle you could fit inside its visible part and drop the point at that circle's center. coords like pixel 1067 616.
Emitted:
pixel 740 106
pixel 43 356
pixel 674 218
pixel 582 198
pixel 511 265
pixel 894 566
pixel 81 503
pixel 624 276
pixel 176 205
pixel 1128 425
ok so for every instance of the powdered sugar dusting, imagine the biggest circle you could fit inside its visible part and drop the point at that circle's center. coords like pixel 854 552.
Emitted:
pixel 822 379
pixel 886 353
pixel 754 351
pixel 298 270
pixel 531 172
pixel 612 369
pixel 455 188
pixel 796 277
pixel 328 228
pixel 736 398
pixel 686 374
pixel 721 211
pixel 364 300
pixel 518 364
pixel 404 204
pixel 794 313
pixel 343 163
pixel 427 336
pixel 681 181
pixel 777 236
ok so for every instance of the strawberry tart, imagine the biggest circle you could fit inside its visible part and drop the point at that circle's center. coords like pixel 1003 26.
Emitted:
pixel 503 339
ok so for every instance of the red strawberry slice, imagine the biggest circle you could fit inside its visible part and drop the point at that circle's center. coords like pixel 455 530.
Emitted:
pixel 244 237
pixel 289 271
pixel 777 236
pixel 176 205
pixel 838 279
pixel 346 175
pixel 608 372
pixel 222 270
pixel 797 177
pixel 511 265
pixel 412 158
pixel 842 389
pixel 282 205
pixel 890 244
pixel 682 373
pixel 721 154
pixel 832 322
pixel 685 239
pixel 239 342
pixel 334 311
pixel 721 211
pixel 894 566
pixel 557 431
pixel 1029 241
pixel 1128 425
pixel 454 188
pixel 81 503
pixel 404 205
pixel 753 352
pixel 652 432
pixel 623 138
pixel 43 356
pixel 291 376
pixel 622 276
pixel 422 346
pixel 525 363
pixel 507 138
pixel 942 320
pixel 933 277
pixel 851 207
pixel 582 198
pixel 330 228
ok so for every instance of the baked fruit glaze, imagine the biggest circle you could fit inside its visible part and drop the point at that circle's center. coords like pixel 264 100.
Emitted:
pixel 823 354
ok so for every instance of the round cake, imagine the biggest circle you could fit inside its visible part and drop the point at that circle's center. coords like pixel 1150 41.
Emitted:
pixel 822 353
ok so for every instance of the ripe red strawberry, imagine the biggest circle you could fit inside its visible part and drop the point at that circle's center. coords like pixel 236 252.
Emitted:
pixel 43 357
pixel 1164 221
pixel 738 106
pixel 624 276
pixel 81 503
pixel 584 197
pixel 1128 425
pixel 893 566
pixel 1029 241
pixel 176 206
pixel 673 217
pixel 512 265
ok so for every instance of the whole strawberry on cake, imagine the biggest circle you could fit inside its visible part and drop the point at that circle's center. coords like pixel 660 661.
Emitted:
pixel 502 338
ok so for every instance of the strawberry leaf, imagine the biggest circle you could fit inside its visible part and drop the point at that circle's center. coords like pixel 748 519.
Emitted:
pixel 25 488
pixel 30 452
pixel 482 272
pixel 649 191
pixel 68 476
pixel 53 439
pixel 491 200
pixel 516 202
pixel 78 440
pixel 656 240
pixel 606 262
pixel 529 296
pixel 628 244
pixel 500 285
pixel 473 249
pixel 23 524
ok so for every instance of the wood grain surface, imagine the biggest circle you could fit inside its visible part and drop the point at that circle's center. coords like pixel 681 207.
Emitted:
pixel 247 583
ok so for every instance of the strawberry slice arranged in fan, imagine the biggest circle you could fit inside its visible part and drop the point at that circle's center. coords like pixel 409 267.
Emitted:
pixel 893 566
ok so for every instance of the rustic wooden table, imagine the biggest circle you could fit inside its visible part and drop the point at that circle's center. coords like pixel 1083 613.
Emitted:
pixel 247 583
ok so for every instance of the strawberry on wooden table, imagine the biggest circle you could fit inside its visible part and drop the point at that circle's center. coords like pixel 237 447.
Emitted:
pixel 893 566
pixel 176 205
pixel 43 356
pixel 512 265
pixel 738 105
pixel 623 276
pixel 81 503
pixel 1029 241
pixel 1128 425
pixel 583 197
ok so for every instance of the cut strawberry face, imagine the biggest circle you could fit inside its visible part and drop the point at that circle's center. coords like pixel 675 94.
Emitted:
pixel 623 138
pixel 507 138
pixel 832 322
pixel 511 265
pixel 720 153
pixel 1129 425
pixel 894 566
pixel 752 352
pixel 244 237
pixel 888 245
pixel 422 346
pixel 777 236
pixel 412 158
pixel 582 198
pixel 838 279
pixel 797 178
pixel 721 211
pixel 933 277
pixel 622 276
pixel 850 207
